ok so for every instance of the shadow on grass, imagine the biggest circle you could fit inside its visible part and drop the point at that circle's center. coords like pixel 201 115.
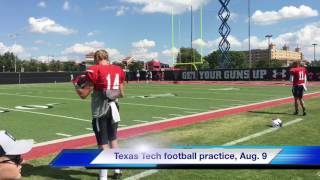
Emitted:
pixel 268 112
pixel 47 171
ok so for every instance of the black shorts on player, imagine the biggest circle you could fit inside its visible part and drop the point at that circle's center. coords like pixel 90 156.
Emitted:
pixel 104 128
pixel 297 91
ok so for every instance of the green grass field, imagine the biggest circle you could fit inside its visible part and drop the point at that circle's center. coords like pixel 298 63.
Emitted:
pixel 152 102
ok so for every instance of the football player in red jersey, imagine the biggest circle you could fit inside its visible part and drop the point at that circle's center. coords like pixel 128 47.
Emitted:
pixel 298 77
pixel 105 82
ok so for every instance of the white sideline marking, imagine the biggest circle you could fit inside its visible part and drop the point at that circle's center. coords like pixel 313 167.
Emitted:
pixel 247 138
pixel 176 114
pixel 159 118
pixel 156 122
pixel 62 134
pixel 90 129
pixel 71 99
pixel 190 112
pixel 142 174
pixel 122 125
pixel 140 121
pixel 46 114
pixel 153 171
pixel 225 89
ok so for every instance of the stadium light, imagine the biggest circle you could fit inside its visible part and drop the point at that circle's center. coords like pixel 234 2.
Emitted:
pixel 314 51
pixel 268 36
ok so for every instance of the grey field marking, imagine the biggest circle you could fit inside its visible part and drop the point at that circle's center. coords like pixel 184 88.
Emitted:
pixel 246 138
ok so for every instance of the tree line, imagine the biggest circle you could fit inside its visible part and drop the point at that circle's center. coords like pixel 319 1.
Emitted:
pixel 238 60
pixel 8 61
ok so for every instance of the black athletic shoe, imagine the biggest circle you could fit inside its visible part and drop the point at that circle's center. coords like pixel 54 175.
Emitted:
pixel 304 113
pixel 116 176
pixel 296 113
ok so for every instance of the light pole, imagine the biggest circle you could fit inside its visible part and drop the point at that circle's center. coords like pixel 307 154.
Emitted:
pixel 249 34
pixel 268 36
pixel 314 51
pixel 14 36
pixel 3 68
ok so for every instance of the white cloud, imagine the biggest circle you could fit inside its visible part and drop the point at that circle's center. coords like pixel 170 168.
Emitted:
pixel 39 41
pixel 233 16
pixel 84 48
pixel 92 33
pixel 48 58
pixel 235 43
pixel 15 48
pixel 80 49
pixel 107 8
pixel 121 11
pixel 45 25
pixel 66 6
pixel 145 43
pixel 171 52
pixel 141 50
pixel 42 4
pixel 285 13
pixel 166 6
pixel 303 38
pixel 199 43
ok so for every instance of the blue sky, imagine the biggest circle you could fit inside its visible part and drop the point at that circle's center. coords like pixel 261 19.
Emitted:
pixel 67 30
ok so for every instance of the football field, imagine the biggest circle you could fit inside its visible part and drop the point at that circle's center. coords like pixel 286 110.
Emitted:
pixel 46 112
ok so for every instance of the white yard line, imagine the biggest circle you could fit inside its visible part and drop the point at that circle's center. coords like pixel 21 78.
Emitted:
pixel 140 121
pixel 247 138
pixel 46 114
pixel 72 99
pixel 62 134
pixel 176 115
pixel 90 129
pixel 159 118
pixel 190 112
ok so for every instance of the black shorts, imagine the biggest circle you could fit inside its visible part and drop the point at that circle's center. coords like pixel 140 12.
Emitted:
pixel 104 128
pixel 297 91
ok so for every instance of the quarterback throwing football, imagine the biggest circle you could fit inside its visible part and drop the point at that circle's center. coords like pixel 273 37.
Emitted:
pixel 105 82
pixel 298 76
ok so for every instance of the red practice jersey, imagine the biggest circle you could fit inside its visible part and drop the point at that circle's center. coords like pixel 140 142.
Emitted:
pixel 105 76
pixel 299 75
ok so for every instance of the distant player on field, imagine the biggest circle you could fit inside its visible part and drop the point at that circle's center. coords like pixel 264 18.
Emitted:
pixel 105 81
pixel 298 77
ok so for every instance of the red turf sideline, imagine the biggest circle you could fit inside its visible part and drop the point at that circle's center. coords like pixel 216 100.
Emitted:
pixel 45 150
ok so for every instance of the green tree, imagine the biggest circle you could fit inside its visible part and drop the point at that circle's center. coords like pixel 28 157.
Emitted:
pixel 136 65
pixel 122 65
pixel 315 63
pixel 188 55
pixel 70 66
pixel 238 60
pixel 268 64
pixel 55 66
pixel 8 59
